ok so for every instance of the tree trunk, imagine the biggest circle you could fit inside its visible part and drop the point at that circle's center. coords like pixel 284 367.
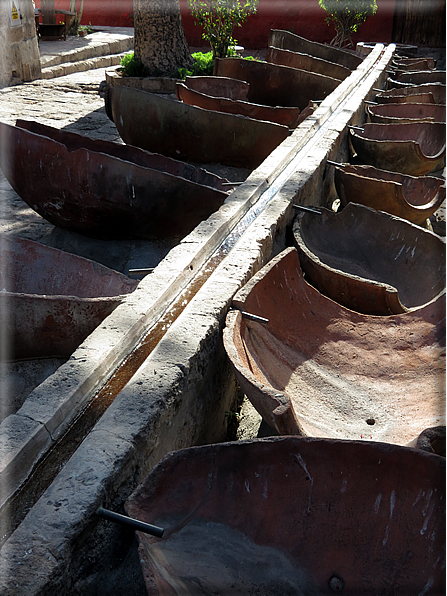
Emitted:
pixel 420 22
pixel 77 20
pixel 160 42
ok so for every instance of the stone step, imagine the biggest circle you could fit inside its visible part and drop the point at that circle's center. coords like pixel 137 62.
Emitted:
pixel 100 49
pixel 59 70
pixel 90 51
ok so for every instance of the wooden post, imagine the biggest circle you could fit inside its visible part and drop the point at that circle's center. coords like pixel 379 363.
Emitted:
pixel 48 12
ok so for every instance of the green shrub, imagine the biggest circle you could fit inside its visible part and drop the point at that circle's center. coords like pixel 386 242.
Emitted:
pixel 131 67
pixel 347 16
pixel 87 28
pixel 218 19
pixel 203 64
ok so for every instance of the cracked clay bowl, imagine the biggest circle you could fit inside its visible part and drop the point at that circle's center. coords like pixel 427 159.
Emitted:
pixel 368 260
pixel 319 369
pixel 410 148
pixel 291 516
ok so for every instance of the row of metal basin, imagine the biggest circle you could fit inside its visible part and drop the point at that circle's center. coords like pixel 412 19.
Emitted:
pixel 140 190
pixel 337 342
pixel 354 312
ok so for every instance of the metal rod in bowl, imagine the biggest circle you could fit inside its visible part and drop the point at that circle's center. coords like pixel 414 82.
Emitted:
pixel 309 209
pixel 252 317
pixel 135 524
pixel 141 271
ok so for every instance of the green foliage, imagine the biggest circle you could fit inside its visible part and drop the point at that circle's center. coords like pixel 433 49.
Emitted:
pixel 218 19
pixel 130 67
pixel 87 28
pixel 347 16
pixel 203 64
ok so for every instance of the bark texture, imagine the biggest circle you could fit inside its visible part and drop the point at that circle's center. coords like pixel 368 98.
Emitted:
pixel 160 42
pixel 420 22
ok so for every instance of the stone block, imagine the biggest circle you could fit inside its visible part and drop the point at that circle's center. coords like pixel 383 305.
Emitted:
pixel 32 71
pixel 21 442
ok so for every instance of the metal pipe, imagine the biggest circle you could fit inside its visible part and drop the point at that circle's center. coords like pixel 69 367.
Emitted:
pixel 309 209
pixel 251 317
pixel 357 128
pixel 141 271
pixel 135 524
pixel 372 103
pixel 334 163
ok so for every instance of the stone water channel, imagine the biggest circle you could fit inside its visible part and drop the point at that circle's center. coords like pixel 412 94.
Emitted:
pixel 154 376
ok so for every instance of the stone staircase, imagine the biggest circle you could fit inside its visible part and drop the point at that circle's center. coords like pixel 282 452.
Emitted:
pixel 103 48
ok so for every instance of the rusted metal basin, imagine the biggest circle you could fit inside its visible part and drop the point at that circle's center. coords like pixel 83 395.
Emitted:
pixel 430 93
pixel 155 161
pixel 103 189
pixel 414 198
pixel 274 85
pixel 419 77
pixel 413 64
pixel 290 116
pixel 431 440
pixel 399 113
pixel 411 148
pixel 51 300
pixel 285 40
pixel 320 369
pixel 219 87
pixel 176 129
pixel 306 62
pixel 369 261
pixel 292 515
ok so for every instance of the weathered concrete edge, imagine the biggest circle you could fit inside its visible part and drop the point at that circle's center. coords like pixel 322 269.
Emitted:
pixel 52 406
pixel 20 453
pixel 160 414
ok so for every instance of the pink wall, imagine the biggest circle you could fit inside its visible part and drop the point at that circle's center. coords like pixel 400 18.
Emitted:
pixel 303 17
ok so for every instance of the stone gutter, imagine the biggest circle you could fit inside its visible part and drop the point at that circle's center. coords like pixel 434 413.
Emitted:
pixel 179 396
